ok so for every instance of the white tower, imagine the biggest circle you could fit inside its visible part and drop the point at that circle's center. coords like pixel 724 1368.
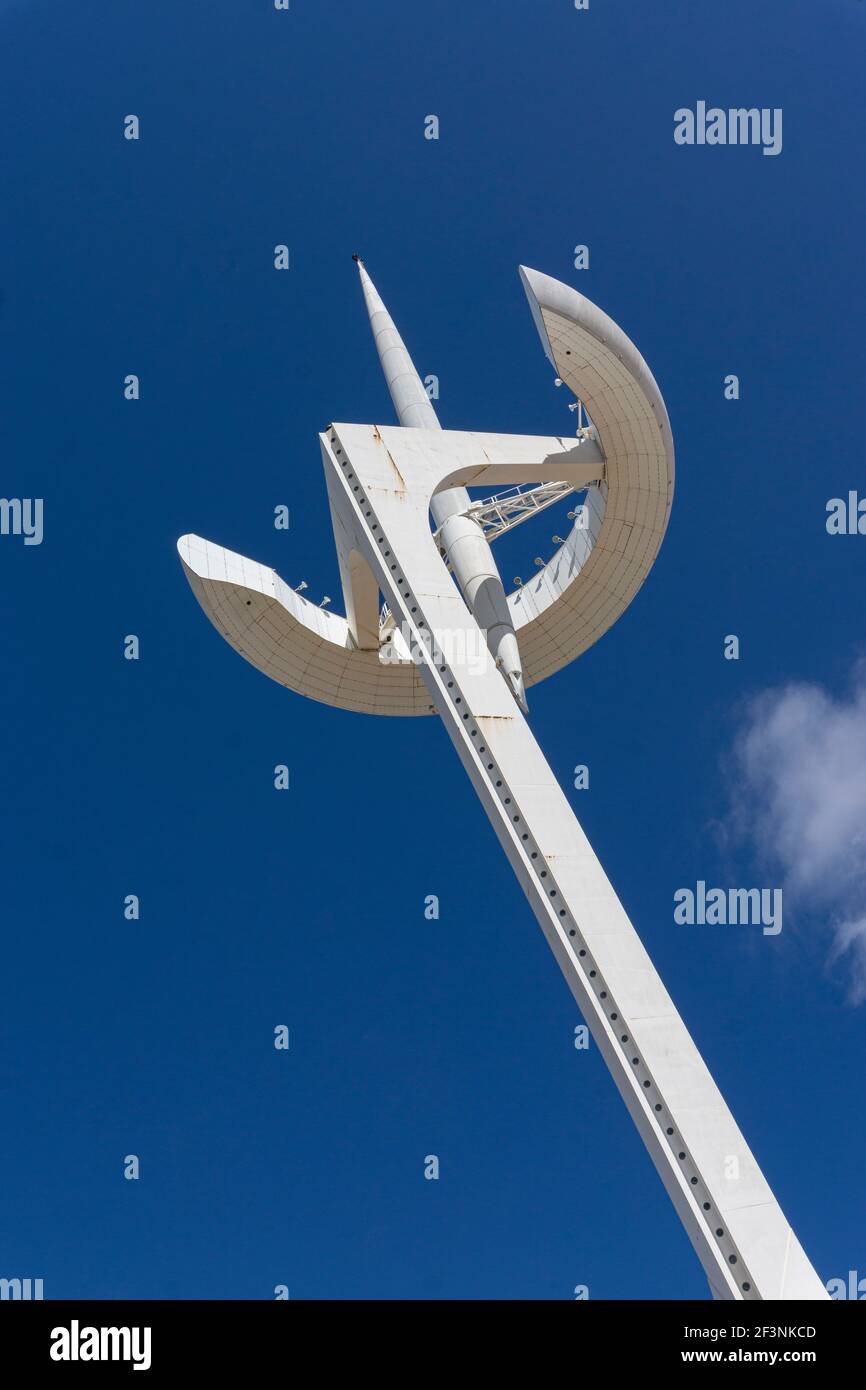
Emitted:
pixel 468 653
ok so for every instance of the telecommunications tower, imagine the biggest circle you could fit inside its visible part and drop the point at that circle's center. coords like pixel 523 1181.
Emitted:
pixel 406 530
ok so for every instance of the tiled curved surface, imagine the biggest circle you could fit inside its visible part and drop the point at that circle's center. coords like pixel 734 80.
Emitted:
pixel 592 579
pixel 291 640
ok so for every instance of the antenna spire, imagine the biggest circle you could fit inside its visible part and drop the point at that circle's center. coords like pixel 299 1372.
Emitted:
pixel 411 401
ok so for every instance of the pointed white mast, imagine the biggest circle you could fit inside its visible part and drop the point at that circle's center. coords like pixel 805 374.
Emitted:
pixel 411 401
pixel 467 551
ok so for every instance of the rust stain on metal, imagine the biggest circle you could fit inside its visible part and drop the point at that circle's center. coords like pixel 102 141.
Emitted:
pixel 379 440
pixel 393 464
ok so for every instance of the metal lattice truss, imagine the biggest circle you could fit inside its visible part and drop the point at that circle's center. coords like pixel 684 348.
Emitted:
pixel 496 515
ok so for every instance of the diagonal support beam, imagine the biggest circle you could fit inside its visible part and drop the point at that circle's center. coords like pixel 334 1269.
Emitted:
pixel 741 1236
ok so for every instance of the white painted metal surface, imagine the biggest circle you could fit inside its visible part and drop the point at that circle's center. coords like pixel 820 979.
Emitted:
pixel 566 607
pixel 462 541
pixel 381 481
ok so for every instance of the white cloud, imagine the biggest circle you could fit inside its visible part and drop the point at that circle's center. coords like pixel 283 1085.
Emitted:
pixel 800 797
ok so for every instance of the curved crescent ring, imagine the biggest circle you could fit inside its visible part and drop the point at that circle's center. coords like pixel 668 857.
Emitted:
pixel 562 611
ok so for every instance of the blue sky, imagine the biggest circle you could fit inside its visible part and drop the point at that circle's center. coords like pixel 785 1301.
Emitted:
pixel 305 908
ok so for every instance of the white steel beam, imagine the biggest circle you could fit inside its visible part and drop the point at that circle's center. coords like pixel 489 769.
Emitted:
pixel 380 482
